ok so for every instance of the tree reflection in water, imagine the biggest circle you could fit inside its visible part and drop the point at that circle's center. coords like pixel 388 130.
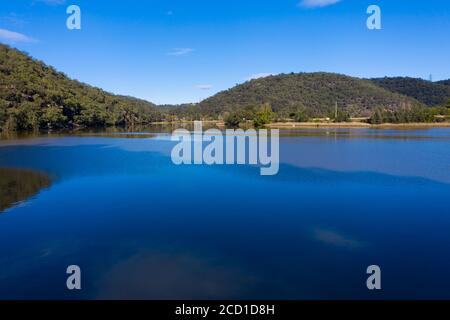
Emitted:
pixel 17 185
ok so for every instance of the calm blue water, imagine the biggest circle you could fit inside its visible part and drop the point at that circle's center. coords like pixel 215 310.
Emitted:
pixel 141 227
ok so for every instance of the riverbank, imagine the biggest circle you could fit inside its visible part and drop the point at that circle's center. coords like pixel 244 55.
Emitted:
pixel 168 127
pixel 293 125
pixel 307 125
pixel 324 124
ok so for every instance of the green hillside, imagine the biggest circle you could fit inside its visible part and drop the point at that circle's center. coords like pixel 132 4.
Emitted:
pixel 317 93
pixel 34 95
pixel 427 92
pixel 444 82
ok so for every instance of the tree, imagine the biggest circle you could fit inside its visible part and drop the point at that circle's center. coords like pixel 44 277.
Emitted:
pixel 94 116
pixel 377 116
pixel 403 115
pixel 340 116
pixel 3 113
pixel 263 116
pixel 232 120
pixel 301 115
pixel 447 104
pixel 53 117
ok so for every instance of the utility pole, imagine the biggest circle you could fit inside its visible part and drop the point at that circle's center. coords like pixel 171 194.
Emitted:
pixel 335 111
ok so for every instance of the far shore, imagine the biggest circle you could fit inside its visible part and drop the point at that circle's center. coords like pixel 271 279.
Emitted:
pixel 291 125
pixel 275 125
pixel 308 125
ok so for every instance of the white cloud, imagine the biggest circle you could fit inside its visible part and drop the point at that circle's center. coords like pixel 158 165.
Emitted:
pixel 317 3
pixel 12 36
pixel 204 86
pixel 259 75
pixel 180 51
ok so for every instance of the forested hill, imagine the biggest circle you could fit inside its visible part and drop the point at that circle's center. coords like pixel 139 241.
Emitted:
pixel 427 92
pixel 34 95
pixel 444 82
pixel 318 93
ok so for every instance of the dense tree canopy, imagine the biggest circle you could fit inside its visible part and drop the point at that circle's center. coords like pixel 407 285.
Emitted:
pixel 33 95
pixel 427 92
pixel 316 92
pixel 444 82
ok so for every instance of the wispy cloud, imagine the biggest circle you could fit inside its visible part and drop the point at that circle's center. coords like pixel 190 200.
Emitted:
pixel 259 75
pixel 11 36
pixel 204 86
pixel 180 51
pixel 317 3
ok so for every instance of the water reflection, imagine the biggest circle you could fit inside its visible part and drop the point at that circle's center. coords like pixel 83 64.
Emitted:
pixel 334 238
pixel 17 185
pixel 143 228
pixel 173 275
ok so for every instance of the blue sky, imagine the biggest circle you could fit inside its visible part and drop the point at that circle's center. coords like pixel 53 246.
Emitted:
pixel 174 51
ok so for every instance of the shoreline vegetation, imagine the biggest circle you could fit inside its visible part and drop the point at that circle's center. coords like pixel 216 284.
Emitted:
pixel 314 124
pixel 36 97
